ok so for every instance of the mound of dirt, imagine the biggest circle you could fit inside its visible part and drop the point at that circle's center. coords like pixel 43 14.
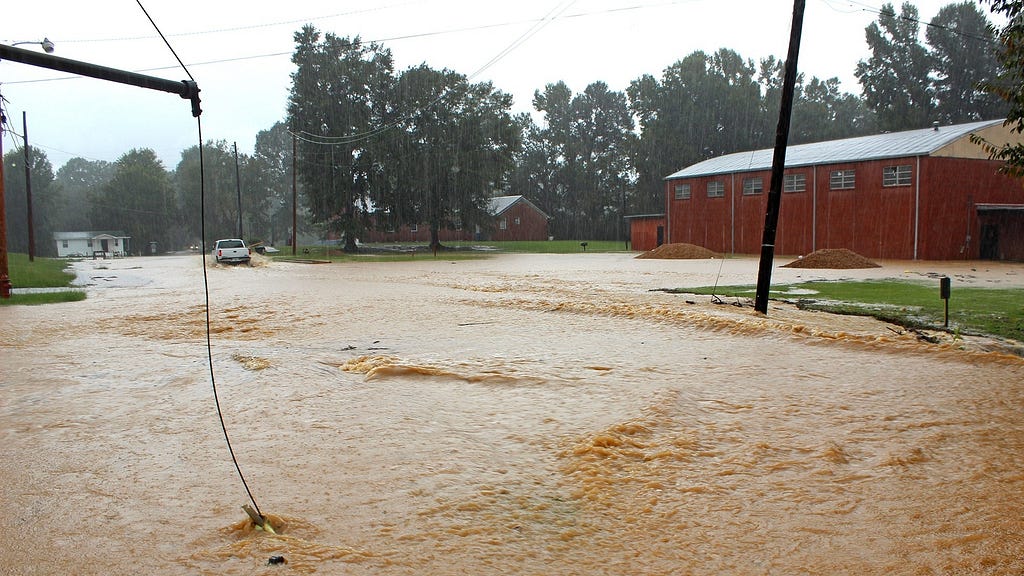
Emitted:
pixel 679 252
pixel 833 259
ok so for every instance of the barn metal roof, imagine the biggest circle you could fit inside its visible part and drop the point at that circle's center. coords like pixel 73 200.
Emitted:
pixel 892 145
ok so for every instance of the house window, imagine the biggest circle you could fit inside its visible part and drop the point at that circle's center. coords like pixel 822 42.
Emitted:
pixel 414 228
pixel 87 243
pixel 752 186
pixel 682 191
pixel 116 240
pixel 503 224
pixel 896 175
pixel 517 221
pixel 64 244
pixel 794 183
pixel 716 189
pixel 842 179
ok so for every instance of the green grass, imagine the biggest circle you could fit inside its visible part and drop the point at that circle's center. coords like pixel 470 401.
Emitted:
pixel 43 298
pixel 42 273
pixel 397 252
pixel 991 311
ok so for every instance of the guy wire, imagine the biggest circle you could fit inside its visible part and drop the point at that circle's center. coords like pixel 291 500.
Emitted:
pixel 206 281
pixel 206 307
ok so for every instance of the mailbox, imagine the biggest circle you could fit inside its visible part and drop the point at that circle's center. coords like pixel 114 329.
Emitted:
pixel 944 285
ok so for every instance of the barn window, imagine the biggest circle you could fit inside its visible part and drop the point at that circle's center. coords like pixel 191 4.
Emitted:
pixel 716 189
pixel 842 179
pixel 503 224
pixel 752 186
pixel 682 191
pixel 896 175
pixel 414 228
pixel 517 220
pixel 794 183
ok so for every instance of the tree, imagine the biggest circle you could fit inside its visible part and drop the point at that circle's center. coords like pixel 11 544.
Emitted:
pixel 583 155
pixel 138 200
pixel 218 182
pixel 46 197
pixel 1009 86
pixel 338 102
pixel 271 183
pixel 81 180
pixel 963 52
pixel 703 106
pixel 895 80
pixel 452 149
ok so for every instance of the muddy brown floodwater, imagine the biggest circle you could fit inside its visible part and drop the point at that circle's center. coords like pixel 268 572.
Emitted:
pixel 524 414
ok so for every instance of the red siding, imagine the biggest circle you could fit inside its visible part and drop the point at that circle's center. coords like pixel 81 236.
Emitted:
pixel 643 232
pixel 938 208
pixel 522 222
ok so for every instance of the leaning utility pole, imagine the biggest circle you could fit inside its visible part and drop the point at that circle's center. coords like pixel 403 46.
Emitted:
pixel 5 279
pixel 187 89
pixel 28 189
pixel 771 218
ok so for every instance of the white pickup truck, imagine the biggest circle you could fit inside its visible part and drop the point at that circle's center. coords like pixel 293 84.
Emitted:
pixel 231 251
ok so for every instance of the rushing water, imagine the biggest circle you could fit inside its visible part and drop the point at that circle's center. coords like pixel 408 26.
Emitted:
pixel 517 415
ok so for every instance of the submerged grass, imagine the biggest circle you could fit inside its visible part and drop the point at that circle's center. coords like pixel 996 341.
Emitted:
pixel 989 311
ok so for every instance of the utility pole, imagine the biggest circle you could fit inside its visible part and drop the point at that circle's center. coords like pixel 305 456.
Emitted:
pixel 295 192
pixel 238 188
pixel 28 189
pixel 5 279
pixel 771 218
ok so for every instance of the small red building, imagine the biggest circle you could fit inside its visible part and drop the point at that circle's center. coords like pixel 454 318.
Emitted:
pixel 926 194
pixel 646 231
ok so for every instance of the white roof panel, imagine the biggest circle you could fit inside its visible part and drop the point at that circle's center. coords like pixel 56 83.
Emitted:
pixel 893 145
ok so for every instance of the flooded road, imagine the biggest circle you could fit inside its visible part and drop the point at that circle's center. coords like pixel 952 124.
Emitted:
pixel 525 414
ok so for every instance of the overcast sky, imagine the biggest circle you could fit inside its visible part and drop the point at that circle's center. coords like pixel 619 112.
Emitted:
pixel 240 55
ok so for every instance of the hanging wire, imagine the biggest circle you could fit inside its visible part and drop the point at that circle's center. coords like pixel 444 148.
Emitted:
pixel 206 281
pixel 323 140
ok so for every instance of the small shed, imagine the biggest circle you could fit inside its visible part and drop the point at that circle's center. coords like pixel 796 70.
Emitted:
pixel 646 231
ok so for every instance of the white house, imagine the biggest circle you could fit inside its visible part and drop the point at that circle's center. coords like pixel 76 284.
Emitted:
pixel 105 244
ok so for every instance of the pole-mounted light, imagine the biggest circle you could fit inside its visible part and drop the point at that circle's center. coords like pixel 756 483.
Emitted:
pixel 46 43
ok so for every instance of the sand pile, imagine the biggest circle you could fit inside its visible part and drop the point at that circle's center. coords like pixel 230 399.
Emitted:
pixel 833 259
pixel 679 252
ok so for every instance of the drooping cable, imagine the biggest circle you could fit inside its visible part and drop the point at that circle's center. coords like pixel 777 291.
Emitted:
pixel 206 281
pixel 206 308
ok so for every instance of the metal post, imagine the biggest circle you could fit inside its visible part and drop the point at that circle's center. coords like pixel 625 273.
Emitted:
pixel 28 190
pixel 187 89
pixel 771 219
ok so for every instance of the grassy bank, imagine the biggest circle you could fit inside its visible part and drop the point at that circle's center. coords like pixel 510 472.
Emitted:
pixel 42 273
pixel 990 311
pixel 452 250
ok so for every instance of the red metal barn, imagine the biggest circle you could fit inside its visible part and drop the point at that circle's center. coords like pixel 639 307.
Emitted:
pixel 926 194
